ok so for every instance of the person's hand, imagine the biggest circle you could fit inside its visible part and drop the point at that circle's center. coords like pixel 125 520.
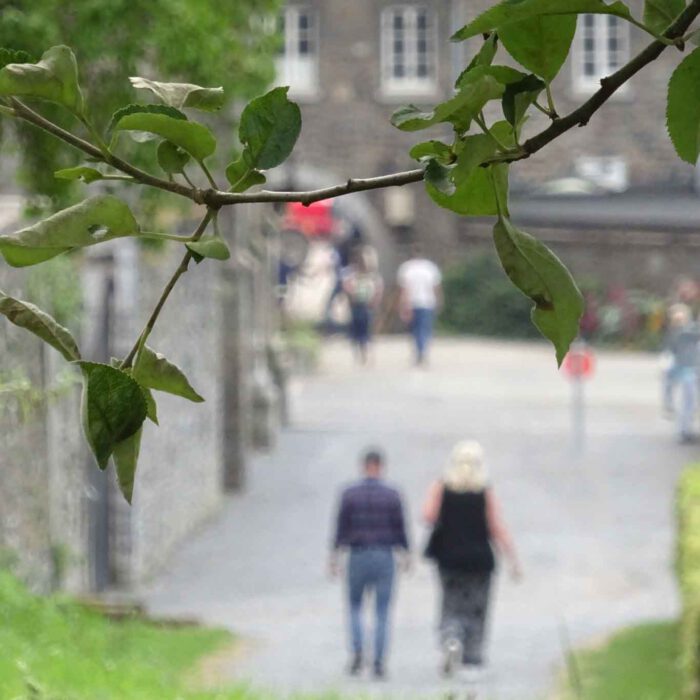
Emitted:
pixel 405 314
pixel 334 567
pixel 516 572
pixel 405 562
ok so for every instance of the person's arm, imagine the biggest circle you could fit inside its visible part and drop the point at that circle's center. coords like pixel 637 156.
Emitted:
pixel 500 534
pixel 378 292
pixel 401 535
pixel 433 503
pixel 340 538
pixel 437 286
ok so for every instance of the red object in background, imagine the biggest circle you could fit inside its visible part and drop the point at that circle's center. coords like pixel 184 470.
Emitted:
pixel 579 362
pixel 316 220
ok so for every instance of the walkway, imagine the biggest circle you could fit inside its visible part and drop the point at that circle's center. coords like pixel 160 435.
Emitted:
pixel 595 532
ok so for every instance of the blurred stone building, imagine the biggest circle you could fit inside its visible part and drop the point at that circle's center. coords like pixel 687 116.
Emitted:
pixel 613 198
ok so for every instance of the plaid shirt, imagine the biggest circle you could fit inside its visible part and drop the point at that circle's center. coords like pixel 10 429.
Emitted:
pixel 370 515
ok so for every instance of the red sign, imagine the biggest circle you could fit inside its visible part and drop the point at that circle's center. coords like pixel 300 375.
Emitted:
pixel 579 363
pixel 313 220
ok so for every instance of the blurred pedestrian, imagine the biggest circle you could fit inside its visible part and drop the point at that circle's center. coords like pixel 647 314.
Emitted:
pixel 420 282
pixel 370 524
pixel 347 238
pixel 682 346
pixel 364 287
pixel 465 516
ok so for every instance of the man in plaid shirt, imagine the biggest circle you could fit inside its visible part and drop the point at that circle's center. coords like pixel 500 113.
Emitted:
pixel 371 525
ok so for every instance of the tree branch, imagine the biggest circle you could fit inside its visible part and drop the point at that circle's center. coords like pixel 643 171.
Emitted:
pixel 181 269
pixel 29 115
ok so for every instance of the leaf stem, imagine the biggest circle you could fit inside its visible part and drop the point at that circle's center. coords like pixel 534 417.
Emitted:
pixel 187 179
pixel 180 270
pixel 483 126
pixel 550 102
pixel 205 170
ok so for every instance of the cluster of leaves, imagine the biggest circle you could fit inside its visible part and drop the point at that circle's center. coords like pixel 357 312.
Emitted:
pixel 230 44
pixel 118 398
pixel 470 175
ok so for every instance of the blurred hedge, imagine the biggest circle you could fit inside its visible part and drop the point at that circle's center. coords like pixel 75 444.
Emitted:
pixel 689 577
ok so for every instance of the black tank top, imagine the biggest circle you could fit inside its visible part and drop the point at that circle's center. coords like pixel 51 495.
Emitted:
pixel 464 542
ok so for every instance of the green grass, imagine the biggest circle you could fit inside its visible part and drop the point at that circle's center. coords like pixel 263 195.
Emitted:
pixel 639 663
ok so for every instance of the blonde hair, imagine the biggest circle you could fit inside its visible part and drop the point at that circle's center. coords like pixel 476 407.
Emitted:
pixel 465 469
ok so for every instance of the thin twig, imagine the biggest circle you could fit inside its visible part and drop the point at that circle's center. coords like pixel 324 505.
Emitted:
pixel 181 269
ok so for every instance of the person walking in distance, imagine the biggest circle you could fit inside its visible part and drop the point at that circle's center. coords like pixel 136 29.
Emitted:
pixel 370 524
pixel 420 282
pixel 465 516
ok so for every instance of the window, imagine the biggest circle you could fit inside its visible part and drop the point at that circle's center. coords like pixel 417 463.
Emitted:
pixel 408 50
pixel 601 47
pixel 297 64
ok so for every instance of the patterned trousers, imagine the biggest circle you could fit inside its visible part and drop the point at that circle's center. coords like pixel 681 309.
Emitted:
pixel 465 601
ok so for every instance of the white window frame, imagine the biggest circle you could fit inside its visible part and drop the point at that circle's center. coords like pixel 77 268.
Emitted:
pixel 299 71
pixel 410 83
pixel 593 57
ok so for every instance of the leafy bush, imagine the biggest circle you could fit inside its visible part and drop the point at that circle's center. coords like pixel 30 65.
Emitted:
pixel 480 300
pixel 688 565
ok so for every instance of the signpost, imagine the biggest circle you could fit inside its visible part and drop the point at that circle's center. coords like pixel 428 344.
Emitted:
pixel 578 365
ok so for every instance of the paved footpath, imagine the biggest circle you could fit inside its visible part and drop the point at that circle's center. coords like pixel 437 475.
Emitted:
pixel 595 531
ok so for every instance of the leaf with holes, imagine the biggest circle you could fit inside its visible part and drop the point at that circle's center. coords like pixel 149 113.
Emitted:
pixel 269 128
pixel 171 158
pixel 80 172
pixel 190 136
pixel 113 408
pixel 33 319
pixel 541 276
pixel 53 78
pixel 126 457
pixel 182 95
pixel 154 371
pixel 540 44
pixel 95 220
pixel 659 14
pixel 459 110
pixel 510 11
pixel 683 108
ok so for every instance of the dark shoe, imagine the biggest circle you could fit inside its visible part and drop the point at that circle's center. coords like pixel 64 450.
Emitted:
pixel 356 665
pixel 451 653
pixel 379 672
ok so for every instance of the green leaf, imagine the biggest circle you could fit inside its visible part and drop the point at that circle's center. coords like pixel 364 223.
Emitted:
pixel 13 56
pixel 148 109
pixel 659 14
pixel 438 176
pixel 183 95
pixel 210 247
pixel 485 55
pixel 194 138
pixel 269 128
pixel 126 457
pixel 473 152
pixel 432 149
pixel 474 196
pixel 518 97
pixel 33 319
pixel 151 405
pixel 171 158
pixel 80 172
pixel 53 78
pixel 458 110
pixel 683 108
pixel 241 176
pixel 540 44
pixel 95 220
pixel 541 276
pixel 510 11
pixel 153 371
pixel 113 408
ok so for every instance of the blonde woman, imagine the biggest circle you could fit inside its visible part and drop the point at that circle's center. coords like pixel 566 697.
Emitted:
pixel 466 521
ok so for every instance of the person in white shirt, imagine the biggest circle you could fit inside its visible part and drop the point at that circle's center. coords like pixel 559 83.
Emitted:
pixel 420 281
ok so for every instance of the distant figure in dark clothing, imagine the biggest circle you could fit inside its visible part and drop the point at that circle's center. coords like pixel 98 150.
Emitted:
pixel 465 517
pixel 370 524
pixel 682 344
pixel 349 238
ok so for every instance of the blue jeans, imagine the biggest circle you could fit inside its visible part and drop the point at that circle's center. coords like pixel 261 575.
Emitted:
pixel 687 378
pixel 422 330
pixel 370 568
